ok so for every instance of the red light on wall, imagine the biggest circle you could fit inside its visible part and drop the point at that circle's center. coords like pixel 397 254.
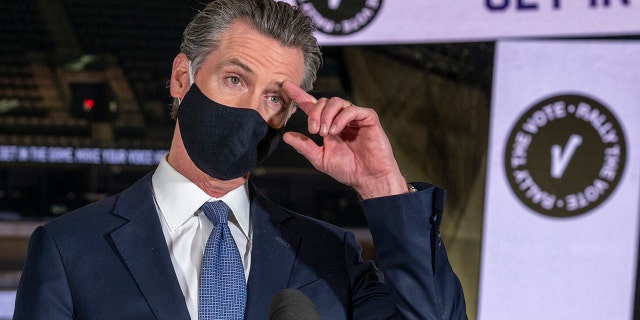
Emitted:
pixel 87 104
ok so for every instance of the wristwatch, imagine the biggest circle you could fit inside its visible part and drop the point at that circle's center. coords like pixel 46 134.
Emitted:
pixel 411 188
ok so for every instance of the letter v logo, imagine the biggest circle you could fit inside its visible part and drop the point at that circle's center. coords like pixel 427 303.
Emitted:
pixel 560 158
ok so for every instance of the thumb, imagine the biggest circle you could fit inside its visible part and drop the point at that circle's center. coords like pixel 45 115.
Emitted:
pixel 304 146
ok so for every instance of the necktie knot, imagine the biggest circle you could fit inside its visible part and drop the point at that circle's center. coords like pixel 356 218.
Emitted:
pixel 217 212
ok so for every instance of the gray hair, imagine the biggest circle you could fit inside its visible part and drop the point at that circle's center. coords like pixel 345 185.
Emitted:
pixel 277 20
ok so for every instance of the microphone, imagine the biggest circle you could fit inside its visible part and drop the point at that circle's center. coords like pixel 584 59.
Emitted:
pixel 290 304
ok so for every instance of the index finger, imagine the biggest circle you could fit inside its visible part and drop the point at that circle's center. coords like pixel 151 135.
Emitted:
pixel 304 100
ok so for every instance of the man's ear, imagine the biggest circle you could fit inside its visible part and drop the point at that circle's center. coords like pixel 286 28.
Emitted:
pixel 180 82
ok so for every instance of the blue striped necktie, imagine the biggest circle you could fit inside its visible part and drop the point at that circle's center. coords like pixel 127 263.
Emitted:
pixel 223 291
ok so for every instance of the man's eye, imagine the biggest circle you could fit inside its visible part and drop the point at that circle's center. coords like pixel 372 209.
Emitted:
pixel 234 80
pixel 275 99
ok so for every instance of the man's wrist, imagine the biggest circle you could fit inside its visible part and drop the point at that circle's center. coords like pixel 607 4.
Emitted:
pixel 383 188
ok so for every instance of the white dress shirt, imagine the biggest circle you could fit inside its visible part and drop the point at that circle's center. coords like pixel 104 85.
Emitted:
pixel 186 228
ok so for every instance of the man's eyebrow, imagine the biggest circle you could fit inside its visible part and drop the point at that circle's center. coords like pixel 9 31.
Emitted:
pixel 242 65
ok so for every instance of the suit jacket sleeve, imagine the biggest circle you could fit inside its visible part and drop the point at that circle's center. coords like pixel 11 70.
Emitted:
pixel 410 252
pixel 43 292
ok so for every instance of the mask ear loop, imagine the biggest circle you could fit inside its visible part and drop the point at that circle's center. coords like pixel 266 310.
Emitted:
pixel 290 111
pixel 192 78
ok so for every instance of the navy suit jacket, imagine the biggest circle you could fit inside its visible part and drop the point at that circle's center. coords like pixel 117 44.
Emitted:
pixel 109 260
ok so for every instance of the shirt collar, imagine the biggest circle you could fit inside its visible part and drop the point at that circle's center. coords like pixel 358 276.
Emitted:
pixel 178 198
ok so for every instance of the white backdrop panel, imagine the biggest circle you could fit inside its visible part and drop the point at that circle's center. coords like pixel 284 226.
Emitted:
pixel 537 265
pixel 419 21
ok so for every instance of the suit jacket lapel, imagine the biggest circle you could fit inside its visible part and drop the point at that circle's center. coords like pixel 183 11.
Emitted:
pixel 272 257
pixel 143 249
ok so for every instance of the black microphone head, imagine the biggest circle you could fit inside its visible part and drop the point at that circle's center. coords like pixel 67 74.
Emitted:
pixel 290 304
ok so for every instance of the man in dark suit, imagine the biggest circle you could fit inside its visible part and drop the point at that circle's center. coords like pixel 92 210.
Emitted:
pixel 138 255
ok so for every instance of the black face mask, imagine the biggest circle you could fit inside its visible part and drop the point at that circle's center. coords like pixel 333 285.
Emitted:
pixel 224 142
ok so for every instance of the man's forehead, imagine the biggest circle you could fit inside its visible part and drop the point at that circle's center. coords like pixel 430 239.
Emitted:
pixel 246 47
